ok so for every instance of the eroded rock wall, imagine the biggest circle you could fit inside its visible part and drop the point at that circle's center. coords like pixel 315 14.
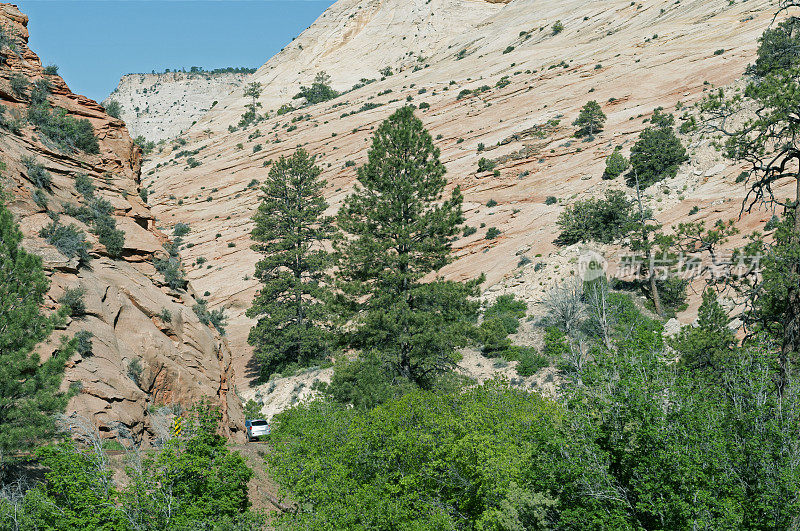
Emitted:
pixel 181 359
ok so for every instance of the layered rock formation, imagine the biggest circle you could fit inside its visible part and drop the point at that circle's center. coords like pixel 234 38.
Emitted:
pixel 180 358
pixel 161 106
pixel 491 73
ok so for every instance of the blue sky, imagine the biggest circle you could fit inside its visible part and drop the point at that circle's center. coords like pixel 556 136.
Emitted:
pixel 95 42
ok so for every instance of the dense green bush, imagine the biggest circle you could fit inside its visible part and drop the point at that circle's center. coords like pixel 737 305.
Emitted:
pixel 72 300
pixel 655 156
pixel 602 220
pixel 113 108
pixel 616 164
pixel 485 164
pixel 424 461
pixel 319 90
pixel 19 84
pixel 778 48
pixel 170 268
pixel 68 134
pixel 531 361
pixel 69 240
pixel 40 177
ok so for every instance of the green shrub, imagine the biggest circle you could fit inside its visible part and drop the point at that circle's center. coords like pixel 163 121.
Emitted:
pixel 485 164
pixel 51 70
pixel 19 84
pixel 83 343
pixel 36 173
pixel 180 230
pixel 170 268
pixel 509 49
pixel 558 27
pixel 40 198
pixel 165 315
pixel 601 220
pixel 69 240
pixel 72 299
pixel 530 361
pixel 40 93
pixel 84 186
pixel 469 231
pixel 492 233
pixel 135 371
pixel 491 203
pixel 616 164
pixel 215 318
pixel 319 90
pixel 656 156
pixel 114 109
pixel 551 200
pixel 67 133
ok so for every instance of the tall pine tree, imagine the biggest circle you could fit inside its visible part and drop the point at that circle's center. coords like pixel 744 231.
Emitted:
pixel 400 230
pixel 29 394
pixel 292 307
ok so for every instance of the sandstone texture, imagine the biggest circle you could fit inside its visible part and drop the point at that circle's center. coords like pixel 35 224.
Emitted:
pixel 164 105
pixel 181 360
pixel 527 85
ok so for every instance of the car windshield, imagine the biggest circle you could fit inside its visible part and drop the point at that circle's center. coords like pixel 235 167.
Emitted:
pixel 258 423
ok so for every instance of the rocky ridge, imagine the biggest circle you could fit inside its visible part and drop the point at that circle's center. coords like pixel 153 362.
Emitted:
pixel 498 82
pixel 164 105
pixel 125 298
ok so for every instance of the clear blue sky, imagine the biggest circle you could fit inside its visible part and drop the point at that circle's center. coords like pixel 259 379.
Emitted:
pixel 95 42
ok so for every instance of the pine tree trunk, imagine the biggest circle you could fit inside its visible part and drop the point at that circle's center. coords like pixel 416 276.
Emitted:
pixel 645 242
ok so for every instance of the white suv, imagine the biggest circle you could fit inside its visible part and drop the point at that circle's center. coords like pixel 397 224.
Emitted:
pixel 256 428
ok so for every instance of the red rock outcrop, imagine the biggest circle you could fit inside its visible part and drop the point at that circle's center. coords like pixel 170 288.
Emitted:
pixel 181 360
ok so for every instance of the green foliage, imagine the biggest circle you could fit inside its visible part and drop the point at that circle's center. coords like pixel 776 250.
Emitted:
pixel 40 177
pixel 319 90
pixel 29 387
pixel 67 133
pixel 558 27
pixel 485 164
pixel 215 318
pixel 659 119
pixel 709 345
pixel 424 461
pixel 401 229
pixel 135 371
pixel 84 186
pixel 491 203
pixel 19 84
pixel 550 200
pixel 114 109
pixel 170 268
pixel 616 164
pixel 252 410
pixel 50 70
pixel 293 305
pixel 147 146
pixel 165 315
pixel 72 300
pixel 191 483
pixel 530 362
pixel 492 233
pixel 779 49
pixel 590 120
pixel 602 220
pixel 655 156
pixel 500 319
pixel 68 239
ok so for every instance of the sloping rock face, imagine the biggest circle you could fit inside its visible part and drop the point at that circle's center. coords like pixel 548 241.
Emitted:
pixel 164 105
pixel 181 360
pixel 494 74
